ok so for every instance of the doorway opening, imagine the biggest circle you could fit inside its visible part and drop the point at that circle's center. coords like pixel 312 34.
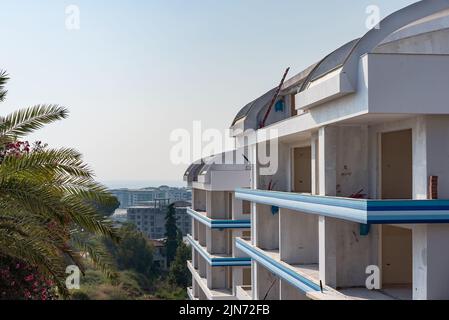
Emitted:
pixel 397 262
pixel 302 170
pixel 397 165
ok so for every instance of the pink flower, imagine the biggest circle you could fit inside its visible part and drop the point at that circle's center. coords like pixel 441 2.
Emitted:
pixel 29 278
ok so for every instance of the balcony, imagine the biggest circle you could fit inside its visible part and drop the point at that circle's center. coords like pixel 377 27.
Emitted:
pixel 304 277
pixel 211 294
pixel 218 260
pixel 355 210
pixel 218 224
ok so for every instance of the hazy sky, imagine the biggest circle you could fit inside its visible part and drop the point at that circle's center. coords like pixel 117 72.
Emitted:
pixel 137 69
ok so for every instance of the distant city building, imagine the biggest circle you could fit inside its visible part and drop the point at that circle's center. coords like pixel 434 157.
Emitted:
pixel 159 257
pixel 137 197
pixel 150 218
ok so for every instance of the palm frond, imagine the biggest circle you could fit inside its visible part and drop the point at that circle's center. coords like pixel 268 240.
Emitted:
pixel 25 121
pixel 3 80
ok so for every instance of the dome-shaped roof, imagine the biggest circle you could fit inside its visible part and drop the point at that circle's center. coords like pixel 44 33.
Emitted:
pixel 193 171
pixel 257 104
pixel 331 62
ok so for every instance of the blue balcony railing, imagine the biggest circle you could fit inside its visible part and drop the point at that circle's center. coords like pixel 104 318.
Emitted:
pixel 215 261
pixel 356 210
pixel 219 224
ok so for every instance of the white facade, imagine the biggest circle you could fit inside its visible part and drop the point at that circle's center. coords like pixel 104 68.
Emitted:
pixel 359 138
pixel 361 135
pixel 369 121
pixel 219 271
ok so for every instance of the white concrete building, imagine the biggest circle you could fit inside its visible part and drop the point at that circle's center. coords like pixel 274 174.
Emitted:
pixel 370 120
pixel 362 139
pixel 218 273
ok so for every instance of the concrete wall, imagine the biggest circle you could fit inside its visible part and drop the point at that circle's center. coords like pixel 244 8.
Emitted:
pixel 278 174
pixel 217 241
pixel 217 277
pixel 352 160
pixel 408 84
pixel 342 153
pixel 241 276
pixel 268 285
pixel 218 205
pixel 298 237
pixel 199 200
pixel 345 254
pixel 288 292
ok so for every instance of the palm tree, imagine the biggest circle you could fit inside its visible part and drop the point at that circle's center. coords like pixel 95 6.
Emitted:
pixel 48 199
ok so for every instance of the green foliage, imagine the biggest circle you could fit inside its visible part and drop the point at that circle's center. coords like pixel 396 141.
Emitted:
pixel 46 198
pixel 107 209
pixel 179 274
pixel 169 292
pixel 171 243
pixel 134 252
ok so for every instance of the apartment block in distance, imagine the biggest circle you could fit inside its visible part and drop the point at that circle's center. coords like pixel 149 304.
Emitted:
pixel 218 218
pixel 358 183
pixel 137 197
pixel 150 218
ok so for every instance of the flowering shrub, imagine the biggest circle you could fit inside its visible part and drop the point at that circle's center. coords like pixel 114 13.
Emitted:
pixel 18 281
pixel 19 148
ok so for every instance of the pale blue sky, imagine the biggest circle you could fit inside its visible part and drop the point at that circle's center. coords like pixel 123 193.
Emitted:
pixel 138 69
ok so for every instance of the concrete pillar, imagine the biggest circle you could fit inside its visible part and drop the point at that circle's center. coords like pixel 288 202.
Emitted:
pixel 327 160
pixel 299 237
pixel 202 234
pixel 328 251
pixel 420 170
pixel 267 228
pixel 254 283
pixel 202 267
pixel 430 262
pixel 237 278
pixel 195 288
pixel 327 173
pixel 437 153
pixel 254 185
pixel 315 164
pixel 195 258
pixel 195 229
